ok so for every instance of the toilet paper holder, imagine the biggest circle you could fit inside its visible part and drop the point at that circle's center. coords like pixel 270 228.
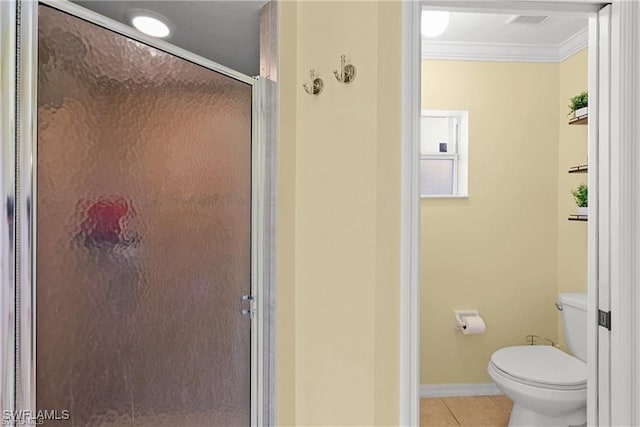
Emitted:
pixel 461 314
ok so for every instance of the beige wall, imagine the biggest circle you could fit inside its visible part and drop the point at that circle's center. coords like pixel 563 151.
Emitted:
pixel 508 249
pixel 495 251
pixel 339 216
pixel 286 319
pixel 572 235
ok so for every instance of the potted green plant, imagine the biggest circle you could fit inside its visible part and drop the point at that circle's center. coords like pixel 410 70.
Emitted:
pixel 579 105
pixel 581 196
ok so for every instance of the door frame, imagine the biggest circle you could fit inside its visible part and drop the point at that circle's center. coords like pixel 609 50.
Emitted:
pixel 625 214
pixel 620 219
pixel 8 192
pixel 18 132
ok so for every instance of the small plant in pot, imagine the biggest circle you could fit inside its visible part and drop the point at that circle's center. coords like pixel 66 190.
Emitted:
pixel 581 195
pixel 578 105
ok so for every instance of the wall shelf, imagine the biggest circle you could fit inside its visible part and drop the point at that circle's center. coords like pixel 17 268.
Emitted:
pixel 582 120
pixel 579 169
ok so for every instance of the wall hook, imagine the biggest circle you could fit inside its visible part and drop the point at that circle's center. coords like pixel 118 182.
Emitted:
pixel 316 85
pixel 347 71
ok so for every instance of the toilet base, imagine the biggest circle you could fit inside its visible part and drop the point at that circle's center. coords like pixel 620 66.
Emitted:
pixel 523 417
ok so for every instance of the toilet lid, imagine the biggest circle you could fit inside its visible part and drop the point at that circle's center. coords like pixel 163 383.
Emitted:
pixel 541 364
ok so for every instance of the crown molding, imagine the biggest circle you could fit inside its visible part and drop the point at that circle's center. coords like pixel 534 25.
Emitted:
pixel 506 52
pixel 474 51
pixel 573 44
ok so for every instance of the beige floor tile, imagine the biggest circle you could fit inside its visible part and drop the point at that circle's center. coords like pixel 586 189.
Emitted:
pixel 503 402
pixel 477 411
pixel 434 413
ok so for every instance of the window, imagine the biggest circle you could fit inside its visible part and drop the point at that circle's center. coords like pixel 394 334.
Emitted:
pixel 444 160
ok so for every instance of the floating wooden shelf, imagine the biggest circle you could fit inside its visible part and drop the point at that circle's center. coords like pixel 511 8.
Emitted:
pixel 582 120
pixel 579 169
pixel 578 217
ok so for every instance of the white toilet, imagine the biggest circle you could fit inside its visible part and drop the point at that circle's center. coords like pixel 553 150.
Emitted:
pixel 548 387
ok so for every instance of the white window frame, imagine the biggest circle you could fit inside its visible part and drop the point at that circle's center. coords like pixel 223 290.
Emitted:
pixel 460 157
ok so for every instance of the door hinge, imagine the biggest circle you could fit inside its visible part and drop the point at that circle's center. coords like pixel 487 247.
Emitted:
pixel 604 319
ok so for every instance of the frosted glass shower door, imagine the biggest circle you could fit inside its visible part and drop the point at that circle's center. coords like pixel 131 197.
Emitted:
pixel 143 233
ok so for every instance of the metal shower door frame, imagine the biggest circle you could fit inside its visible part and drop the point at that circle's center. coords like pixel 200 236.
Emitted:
pixel 18 130
pixel 8 196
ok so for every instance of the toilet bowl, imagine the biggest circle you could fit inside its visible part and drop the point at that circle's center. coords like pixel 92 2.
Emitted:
pixel 548 387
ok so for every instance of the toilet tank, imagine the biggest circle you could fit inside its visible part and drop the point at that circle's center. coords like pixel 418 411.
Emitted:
pixel 574 322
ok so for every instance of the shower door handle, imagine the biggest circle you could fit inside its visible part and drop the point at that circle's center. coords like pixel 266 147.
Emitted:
pixel 249 312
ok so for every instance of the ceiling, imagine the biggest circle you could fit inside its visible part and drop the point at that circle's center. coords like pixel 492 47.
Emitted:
pixel 491 28
pixel 227 32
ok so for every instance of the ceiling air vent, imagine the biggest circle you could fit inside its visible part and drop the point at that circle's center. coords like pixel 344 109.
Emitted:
pixel 526 19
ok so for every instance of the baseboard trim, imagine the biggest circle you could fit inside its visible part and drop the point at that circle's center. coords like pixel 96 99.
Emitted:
pixel 451 390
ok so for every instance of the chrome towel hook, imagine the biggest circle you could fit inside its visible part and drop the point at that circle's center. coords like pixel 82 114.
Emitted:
pixel 315 86
pixel 347 71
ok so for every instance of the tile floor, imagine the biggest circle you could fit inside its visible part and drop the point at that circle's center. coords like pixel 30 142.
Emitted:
pixel 473 411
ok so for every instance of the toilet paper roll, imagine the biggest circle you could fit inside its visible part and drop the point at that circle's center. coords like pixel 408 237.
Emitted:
pixel 473 325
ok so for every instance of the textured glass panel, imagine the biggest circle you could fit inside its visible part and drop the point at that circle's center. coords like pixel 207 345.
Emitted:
pixel 143 245
pixel 436 176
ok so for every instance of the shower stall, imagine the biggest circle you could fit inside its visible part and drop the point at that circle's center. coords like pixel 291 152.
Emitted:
pixel 132 261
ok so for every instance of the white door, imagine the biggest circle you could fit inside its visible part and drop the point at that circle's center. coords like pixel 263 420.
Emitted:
pixel 600 166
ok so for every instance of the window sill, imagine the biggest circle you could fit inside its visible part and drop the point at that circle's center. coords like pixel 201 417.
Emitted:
pixel 444 196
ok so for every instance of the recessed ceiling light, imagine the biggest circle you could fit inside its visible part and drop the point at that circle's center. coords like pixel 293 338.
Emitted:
pixel 150 23
pixel 434 23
